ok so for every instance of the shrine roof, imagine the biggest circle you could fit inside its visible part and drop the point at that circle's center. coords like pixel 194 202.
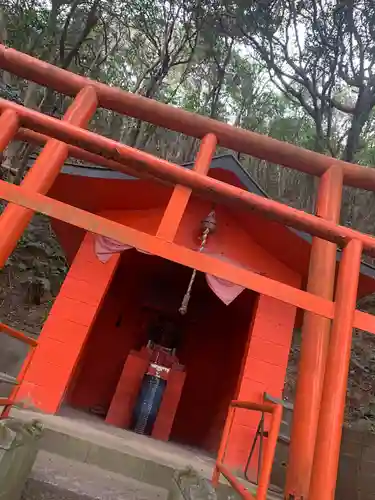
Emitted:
pixel 226 162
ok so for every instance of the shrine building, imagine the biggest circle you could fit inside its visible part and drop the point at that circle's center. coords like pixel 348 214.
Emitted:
pixel 145 345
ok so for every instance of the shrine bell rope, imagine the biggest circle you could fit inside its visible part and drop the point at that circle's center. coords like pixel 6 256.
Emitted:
pixel 208 226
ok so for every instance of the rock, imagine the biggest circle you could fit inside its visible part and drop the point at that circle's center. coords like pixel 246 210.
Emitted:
pixel 189 485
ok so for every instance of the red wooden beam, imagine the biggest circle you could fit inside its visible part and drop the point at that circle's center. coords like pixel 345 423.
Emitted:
pixel 235 483
pixel 223 445
pixel 266 467
pixel 78 153
pixel 364 321
pixel 182 121
pixel 203 185
pixel 315 340
pixel 269 452
pixel 21 375
pixel 181 195
pixel 182 255
pixel 9 124
pixel 167 250
pixel 5 401
pixel 14 219
pixel 254 405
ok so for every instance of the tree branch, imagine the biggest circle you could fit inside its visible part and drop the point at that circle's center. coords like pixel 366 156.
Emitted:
pixel 91 21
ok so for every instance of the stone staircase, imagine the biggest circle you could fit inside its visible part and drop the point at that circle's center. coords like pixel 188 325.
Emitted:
pixel 57 478
pixel 81 458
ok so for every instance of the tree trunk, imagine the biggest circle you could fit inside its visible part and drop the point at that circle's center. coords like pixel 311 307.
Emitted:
pixel 354 136
pixel 360 117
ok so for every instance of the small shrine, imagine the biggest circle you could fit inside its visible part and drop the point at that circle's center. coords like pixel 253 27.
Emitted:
pixel 150 345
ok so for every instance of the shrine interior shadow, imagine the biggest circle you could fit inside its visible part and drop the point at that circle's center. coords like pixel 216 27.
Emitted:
pixel 212 344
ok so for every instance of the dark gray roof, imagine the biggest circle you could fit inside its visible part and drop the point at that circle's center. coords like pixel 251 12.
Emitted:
pixel 226 162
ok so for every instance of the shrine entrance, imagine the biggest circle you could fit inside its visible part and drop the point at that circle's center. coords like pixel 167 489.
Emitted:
pixel 212 343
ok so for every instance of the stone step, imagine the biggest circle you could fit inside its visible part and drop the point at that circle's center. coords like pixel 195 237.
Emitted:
pixel 121 452
pixel 58 478
pixel 133 466
pixel 116 450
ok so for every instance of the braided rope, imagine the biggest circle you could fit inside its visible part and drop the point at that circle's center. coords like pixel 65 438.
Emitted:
pixel 187 296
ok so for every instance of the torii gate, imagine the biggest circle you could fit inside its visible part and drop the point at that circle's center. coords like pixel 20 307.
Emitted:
pixel 325 355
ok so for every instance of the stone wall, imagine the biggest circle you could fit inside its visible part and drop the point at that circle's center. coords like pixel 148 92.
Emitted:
pixel 356 478
pixel 18 449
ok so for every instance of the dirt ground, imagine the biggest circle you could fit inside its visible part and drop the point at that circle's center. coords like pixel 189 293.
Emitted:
pixel 29 283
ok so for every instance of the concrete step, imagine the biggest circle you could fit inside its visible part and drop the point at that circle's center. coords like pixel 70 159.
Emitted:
pixel 57 478
pixel 118 451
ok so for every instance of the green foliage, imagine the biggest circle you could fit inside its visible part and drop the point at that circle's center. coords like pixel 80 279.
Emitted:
pixel 288 69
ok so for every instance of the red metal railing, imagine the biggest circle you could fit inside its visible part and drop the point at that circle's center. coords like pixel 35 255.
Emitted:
pixel 8 402
pixel 275 411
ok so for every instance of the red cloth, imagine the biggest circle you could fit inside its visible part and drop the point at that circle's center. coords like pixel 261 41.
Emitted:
pixel 225 290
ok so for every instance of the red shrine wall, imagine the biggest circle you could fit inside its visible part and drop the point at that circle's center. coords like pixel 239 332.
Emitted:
pixel 114 333
pixel 263 370
pixel 66 329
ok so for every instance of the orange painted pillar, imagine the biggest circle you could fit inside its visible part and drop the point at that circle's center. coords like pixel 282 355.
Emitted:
pixel 315 338
pixel 41 176
pixel 9 125
pixel 328 439
pixel 181 194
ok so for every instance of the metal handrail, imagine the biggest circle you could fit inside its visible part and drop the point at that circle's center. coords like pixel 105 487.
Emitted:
pixel 11 332
pixel 262 433
pixel 8 379
pixel 275 410
pixel 9 401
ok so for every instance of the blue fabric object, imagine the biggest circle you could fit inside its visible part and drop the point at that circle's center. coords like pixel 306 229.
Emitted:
pixel 148 404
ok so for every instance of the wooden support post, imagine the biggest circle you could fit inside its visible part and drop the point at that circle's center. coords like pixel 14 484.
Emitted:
pixel 41 176
pixel 223 445
pixel 315 338
pixel 328 439
pixel 181 194
pixel 9 125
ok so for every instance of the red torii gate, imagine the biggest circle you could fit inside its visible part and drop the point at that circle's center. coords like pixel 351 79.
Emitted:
pixel 325 354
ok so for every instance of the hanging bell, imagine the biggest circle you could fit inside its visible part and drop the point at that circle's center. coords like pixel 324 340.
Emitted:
pixel 209 222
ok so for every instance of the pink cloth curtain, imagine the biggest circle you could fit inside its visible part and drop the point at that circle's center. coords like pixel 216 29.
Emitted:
pixel 106 247
pixel 225 290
